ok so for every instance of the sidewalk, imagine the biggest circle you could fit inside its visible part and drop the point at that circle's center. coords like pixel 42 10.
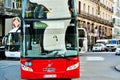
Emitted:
pixel 117 67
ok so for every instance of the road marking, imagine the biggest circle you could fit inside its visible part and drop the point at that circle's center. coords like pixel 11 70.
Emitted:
pixel 103 52
pixel 95 59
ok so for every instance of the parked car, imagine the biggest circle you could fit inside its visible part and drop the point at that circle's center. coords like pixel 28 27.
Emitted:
pixel 103 41
pixel 117 51
pixel 99 47
pixel 112 45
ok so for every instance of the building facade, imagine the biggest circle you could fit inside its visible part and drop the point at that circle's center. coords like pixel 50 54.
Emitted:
pixel 116 19
pixel 8 9
pixel 96 17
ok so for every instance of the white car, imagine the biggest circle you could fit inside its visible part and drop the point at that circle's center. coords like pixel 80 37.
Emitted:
pixel 117 51
pixel 99 47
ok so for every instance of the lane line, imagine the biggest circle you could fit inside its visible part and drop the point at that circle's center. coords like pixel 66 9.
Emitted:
pixel 95 58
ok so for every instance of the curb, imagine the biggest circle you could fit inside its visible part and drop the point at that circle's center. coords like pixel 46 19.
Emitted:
pixel 117 68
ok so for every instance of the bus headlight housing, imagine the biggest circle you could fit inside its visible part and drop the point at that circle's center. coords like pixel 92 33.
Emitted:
pixel 26 68
pixel 28 63
pixel 72 67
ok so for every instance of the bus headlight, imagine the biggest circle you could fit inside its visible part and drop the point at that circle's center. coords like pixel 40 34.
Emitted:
pixel 26 68
pixel 72 67
pixel 28 63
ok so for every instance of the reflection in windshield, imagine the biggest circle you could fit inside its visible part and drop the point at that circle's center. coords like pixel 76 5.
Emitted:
pixel 13 39
pixel 49 9
pixel 13 42
pixel 36 11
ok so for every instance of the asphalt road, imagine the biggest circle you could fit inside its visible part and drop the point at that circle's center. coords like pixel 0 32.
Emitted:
pixel 10 70
pixel 99 66
pixel 94 66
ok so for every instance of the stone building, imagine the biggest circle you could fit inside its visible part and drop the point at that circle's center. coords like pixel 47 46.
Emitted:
pixel 96 17
pixel 116 19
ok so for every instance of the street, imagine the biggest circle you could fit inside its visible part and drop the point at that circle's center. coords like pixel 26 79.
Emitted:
pixel 9 70
pixel 94 66
pixel 99 66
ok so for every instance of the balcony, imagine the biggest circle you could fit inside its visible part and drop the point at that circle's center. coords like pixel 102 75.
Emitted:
pixel 102 5
pixel 9 10
pixel 95 18
pixel 95 1
pixel 107 8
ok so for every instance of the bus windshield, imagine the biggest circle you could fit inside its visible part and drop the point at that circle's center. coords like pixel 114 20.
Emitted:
pixel 54 39
pixel 54 34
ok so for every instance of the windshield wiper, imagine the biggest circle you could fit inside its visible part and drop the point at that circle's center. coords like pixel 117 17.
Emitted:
pixel 56 54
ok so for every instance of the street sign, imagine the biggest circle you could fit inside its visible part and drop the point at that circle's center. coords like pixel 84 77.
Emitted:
pixel 16 22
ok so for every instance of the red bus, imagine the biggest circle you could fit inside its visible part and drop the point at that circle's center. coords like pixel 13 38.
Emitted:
pixel 49 48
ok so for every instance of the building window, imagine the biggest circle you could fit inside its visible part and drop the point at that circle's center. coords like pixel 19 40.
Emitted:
pixel 103 1
pixel 8 3
pixel 100 30
pixel 79 6
pixel 96 11
pixel 103 15
pixel 92 11
pixel 84 7
pixel 19 3
pixel 92 28
pixel 79 23
pixel 84 24
pixel 13 3
pixel 88 27
pixel 88 9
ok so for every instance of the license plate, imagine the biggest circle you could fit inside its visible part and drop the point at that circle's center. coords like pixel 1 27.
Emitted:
pixel 12 55
pixel 50 76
